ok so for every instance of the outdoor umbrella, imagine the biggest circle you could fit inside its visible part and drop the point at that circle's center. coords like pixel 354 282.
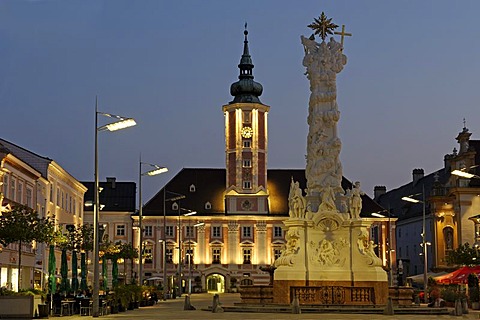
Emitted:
pixel 52 281
pixel 83 272
pixel 64 271
pixel 114 272
pixel 74 271
pixel 104 273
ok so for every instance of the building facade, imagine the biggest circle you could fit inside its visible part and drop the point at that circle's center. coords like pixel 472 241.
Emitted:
pixel 43 185
pixel 449 203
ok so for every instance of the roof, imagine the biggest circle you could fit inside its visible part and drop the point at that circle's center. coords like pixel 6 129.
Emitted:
pixel 116 196
pixel 209 186
pixel 34 160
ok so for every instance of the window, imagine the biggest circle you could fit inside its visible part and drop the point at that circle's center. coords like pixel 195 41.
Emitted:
pixel 216 232
pixel 247 256
pixel 175 206
pixel 148 231
pixel 20 192
pixel 12 189
pixel 277 232
pixel 74 206
pixel 208 205
pixel 216 255
pixel 121 230
pixel 169 255
pixel 5 185
pixel 169 231
pixel 399 232
pixel 246 232
pixel 246 116
pixel 70 204
pixel 246 143
pixel 247 185
pixel 247 163
pixel 189 231
pixel 147 254
pixel 62 201
pixel 51 192
pixel 58 197
pixel 29 197
pixel 192 188
pixel 277 252
pixel 189 256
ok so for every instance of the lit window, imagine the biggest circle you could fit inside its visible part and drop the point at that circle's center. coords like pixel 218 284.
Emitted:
pixel 277 252
pixel 169 255
pixel 216 255
pixel 247 256
pixel 147 254
pixel 189 256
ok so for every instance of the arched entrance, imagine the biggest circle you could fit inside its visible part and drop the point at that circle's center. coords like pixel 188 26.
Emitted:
pixel 216 283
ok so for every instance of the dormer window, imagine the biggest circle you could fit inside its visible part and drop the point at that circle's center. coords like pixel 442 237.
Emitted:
pixel 192 188
pixel 175 206
pixel 208 205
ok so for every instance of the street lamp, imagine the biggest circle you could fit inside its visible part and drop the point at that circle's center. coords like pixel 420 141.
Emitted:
pixel 118 124
pixel 178 196
pixel 179 269
pixel 424 243
pixel 153 172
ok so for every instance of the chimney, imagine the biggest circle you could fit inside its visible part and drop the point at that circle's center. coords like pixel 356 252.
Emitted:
pixel 417 175
pixel 112 181
pixel 378 191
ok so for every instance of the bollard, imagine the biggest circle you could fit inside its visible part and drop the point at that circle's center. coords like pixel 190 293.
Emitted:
pixel 388 311
pixel 458 308
pixel 216 308
pixel 187 305
pixel 464 306
pixel 296 306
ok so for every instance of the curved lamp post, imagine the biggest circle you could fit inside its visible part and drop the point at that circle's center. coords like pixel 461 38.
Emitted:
pixel 424 243
pixel 118 124
pixel 153 172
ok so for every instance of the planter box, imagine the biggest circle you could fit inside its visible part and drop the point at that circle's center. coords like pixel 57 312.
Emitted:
pixel 18 307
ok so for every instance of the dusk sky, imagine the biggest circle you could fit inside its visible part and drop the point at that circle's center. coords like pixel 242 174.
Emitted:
pixel 412 76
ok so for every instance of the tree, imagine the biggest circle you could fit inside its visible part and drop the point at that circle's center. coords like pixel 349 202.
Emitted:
pixel 464 255
pixel 22 225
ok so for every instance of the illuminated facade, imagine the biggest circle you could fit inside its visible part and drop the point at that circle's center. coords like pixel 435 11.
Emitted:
pixel 43 185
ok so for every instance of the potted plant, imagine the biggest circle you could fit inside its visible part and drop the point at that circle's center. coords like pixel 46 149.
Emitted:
pixel 473 291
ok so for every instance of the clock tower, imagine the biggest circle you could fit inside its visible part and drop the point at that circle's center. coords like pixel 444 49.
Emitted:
pixel 246 143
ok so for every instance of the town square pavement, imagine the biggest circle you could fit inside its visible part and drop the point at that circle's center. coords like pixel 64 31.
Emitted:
pixel 173 309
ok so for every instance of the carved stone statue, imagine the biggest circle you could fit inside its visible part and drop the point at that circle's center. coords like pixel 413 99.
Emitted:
pixel 296 202
pixel 356 201
pixel 323 170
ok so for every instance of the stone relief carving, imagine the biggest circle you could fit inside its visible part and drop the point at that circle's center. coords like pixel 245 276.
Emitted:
pixel 290 252
pixel 296 201
pixel 327 253
pixel 323 170
pixel 367 249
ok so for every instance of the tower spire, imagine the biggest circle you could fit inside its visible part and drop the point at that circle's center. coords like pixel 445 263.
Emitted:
pixel 246 89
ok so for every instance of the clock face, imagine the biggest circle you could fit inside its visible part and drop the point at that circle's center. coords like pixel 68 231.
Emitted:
pixel 247 132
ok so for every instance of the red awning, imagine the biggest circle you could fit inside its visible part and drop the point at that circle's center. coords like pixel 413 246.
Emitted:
pixel 459 276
